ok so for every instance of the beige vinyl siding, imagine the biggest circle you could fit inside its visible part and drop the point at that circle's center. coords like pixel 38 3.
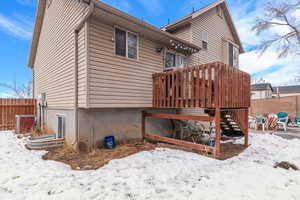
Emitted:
pixel 54 63
pixel 82 68
pixel 184 33
pixel 117 81
pixel 217 29
pixel 193 111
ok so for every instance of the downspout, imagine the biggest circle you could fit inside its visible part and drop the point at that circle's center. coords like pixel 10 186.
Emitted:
pixel 76 32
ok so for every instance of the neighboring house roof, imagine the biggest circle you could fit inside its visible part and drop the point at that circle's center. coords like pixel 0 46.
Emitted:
pixel 287 89
pixel 261 86
pixel 186 20
pixel 110 14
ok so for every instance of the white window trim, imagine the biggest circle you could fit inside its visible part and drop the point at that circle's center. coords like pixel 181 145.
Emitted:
pixel 138 43
pixel 63 125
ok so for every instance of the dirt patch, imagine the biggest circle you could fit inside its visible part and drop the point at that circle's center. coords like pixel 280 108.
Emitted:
pixel 229 150
pixel 286 165
pixel 101 157
pixel 97 159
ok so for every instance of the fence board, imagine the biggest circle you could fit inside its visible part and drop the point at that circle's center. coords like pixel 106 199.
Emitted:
pixel 9 108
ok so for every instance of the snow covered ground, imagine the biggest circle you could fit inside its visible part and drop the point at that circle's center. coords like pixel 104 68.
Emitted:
pixel 159 174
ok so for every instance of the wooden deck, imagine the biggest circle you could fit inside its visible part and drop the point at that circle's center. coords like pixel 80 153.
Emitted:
pixel 218 88
pixel 213 85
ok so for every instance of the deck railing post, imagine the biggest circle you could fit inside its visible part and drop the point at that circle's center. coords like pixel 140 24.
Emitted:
pixel 246 127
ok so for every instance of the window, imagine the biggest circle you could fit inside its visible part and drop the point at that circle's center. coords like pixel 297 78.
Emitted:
pixel 204 38
pixel 132 46
pixel 173 60
pixel 120 42
pixel 220 11
pixel 181 61
pixel 170 60
pixel 126 44
pixel 49 3
pixel 60 127
pixel 233 53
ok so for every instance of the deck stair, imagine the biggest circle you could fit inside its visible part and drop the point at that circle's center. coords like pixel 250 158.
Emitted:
pixel 230 127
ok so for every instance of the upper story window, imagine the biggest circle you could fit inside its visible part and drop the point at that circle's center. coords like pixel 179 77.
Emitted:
pixel 49 3
pixel 220 12
pixel 174 60
pixel 126 44
pixel 233 55
pixel 204 39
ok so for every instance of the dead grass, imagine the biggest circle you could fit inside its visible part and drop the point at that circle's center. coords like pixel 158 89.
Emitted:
pixel 97 159
pixel 101 157
pixel 46 131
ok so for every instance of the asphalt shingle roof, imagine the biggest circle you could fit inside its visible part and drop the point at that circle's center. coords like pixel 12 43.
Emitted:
pixel 288 89
pixel 261 86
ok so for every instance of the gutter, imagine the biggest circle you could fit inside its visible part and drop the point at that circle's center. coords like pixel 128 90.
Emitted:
pixel 76 31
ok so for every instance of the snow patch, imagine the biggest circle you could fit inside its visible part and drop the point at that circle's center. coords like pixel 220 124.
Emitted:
pixel 158 174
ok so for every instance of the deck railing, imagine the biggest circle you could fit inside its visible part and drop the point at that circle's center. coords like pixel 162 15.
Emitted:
pixel 214 85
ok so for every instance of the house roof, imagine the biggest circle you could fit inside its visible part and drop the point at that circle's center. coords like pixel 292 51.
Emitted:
pixel 287 89
pixel 186 20
pixel 261 86
pixel 116 17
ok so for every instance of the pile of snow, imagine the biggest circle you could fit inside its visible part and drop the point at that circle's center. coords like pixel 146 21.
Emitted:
pixel 159 174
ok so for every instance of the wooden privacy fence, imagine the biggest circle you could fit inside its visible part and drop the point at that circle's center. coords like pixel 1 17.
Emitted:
pixel 9 108
pixel 208 86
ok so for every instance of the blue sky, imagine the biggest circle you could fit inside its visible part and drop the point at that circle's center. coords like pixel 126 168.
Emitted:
pixel 17 18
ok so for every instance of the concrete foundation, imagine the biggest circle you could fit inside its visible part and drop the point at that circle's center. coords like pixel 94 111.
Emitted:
pixel 52 123
pixel 124 124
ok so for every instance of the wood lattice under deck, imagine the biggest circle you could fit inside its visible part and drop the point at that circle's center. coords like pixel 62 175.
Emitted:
pixel 219 88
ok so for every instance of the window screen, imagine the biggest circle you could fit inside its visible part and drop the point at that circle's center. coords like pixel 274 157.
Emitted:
pixel 120 42
pixel 132 46
pixel 181 61
pixel 230 54
pixel 170 60
pixel 233 53
pixel 60 127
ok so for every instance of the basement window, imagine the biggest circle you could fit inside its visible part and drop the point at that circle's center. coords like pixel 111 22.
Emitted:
pixel 61 127
pixel 126 44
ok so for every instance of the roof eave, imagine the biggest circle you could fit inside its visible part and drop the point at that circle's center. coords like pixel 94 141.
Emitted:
pixel 36 32
pixel 204 10
pixel 144 24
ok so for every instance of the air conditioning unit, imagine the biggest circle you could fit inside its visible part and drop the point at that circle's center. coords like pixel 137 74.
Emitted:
pixel 24 123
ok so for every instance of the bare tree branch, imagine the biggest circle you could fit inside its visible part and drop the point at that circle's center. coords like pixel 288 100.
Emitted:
pixel 22 91
pixel 279 14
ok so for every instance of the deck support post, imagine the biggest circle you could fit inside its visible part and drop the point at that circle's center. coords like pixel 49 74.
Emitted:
pixel 218 133
pixel 246 134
